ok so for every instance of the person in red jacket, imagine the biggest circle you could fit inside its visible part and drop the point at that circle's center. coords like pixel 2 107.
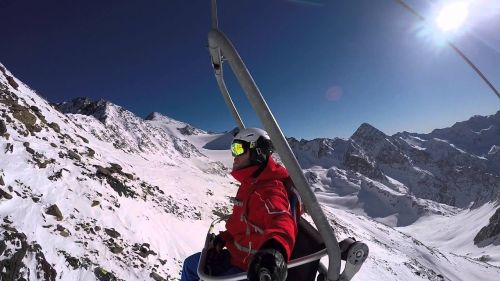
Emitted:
pixel 261 231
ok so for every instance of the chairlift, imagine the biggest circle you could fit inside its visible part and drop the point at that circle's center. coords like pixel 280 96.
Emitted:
pixel 312 243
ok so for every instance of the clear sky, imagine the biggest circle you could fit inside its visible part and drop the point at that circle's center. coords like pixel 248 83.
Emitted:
pixel 324 67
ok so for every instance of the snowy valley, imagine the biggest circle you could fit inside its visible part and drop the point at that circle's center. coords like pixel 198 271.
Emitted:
pixel 90 191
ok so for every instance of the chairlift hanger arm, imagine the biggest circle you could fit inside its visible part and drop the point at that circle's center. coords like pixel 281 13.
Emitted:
pixel 219 45
pixel 217 61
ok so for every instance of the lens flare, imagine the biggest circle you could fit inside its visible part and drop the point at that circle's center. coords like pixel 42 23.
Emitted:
pixel 452 16
pixel 333 93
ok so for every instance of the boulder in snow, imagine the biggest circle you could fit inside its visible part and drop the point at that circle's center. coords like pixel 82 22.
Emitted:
pixel 54 211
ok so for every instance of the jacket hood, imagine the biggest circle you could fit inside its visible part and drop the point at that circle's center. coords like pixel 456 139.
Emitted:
pixel 272 171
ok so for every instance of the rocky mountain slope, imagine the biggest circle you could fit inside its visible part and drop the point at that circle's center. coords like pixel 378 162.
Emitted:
pixel 478 135
pixel 105 192
pixel 89 191
pixel 403 171
pixel 413 180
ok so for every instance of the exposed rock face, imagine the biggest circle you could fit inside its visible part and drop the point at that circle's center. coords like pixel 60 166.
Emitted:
pixel 84 106
pixel 73 155
pixel 3 128
pixel 12 82
pixel 188 130
pixel 17 251
pixel 378 145
pixel 361 164
pixel 112 232
pixel 24 115
pixel 55 127
pixel 54 211
pixel 366 134
pixel 116 249
pixel 143 250
pixel 489 234
pixel 10 268
pixel 63 231
pixel 103 275
pixel 4 194
pixel 319 152
pixel 129 132
pixel 117 184
pixel 157 277
pixel 476 135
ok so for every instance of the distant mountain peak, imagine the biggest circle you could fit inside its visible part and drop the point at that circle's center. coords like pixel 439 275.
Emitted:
pixel 157 116
pixel 495 149
pixel 85 106
pixel 153 116
pixel 161 118
pixel 167 123
pixel 368 132
pixel 476 135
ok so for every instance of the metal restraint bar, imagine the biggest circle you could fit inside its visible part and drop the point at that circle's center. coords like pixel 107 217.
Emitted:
pixel 243 276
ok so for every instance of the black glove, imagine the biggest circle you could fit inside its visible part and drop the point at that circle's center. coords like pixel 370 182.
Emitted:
pixel 217 243
pixel 267 265
pixel 215 258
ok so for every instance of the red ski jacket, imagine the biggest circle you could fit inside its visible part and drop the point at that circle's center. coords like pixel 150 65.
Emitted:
pixel 261 212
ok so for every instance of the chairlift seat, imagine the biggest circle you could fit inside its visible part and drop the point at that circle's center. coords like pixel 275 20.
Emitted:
pixel 308 242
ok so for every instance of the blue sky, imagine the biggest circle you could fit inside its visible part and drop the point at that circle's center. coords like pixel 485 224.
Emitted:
pixel 324 67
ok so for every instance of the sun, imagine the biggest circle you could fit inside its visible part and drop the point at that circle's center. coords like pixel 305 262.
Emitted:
pixel 452 16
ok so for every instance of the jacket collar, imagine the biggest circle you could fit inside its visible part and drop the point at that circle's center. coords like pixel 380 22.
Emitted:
pixel 272 171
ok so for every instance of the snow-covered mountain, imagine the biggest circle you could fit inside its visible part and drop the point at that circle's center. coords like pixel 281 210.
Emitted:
pixel 128 132
pixel 89 191
pixel 477 135
pixel 401 172
pixel 107 190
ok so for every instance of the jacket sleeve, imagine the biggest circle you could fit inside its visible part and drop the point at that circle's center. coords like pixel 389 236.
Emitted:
pixel 274 209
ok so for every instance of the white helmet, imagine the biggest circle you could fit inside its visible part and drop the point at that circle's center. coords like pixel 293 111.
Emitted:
pixel 257 141
pixel 251 135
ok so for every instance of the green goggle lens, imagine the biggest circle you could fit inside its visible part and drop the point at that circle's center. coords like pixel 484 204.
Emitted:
pixel 237 149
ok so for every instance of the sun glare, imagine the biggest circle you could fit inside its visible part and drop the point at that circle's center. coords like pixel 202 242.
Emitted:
pixel 452 16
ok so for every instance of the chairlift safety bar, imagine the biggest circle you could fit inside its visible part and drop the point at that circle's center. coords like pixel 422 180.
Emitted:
pixel 243 276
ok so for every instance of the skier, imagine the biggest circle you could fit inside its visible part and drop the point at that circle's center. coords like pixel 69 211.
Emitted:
pixel 261 231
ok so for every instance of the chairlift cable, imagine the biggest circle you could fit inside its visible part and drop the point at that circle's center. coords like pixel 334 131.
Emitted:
pixel 454 47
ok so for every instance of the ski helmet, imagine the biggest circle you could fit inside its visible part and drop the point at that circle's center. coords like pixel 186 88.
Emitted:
pixel 255 140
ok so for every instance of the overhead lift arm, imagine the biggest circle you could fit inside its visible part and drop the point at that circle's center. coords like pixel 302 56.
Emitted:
pixel 221 50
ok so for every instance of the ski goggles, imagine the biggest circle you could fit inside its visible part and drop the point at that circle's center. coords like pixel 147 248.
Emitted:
pixel 238 148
